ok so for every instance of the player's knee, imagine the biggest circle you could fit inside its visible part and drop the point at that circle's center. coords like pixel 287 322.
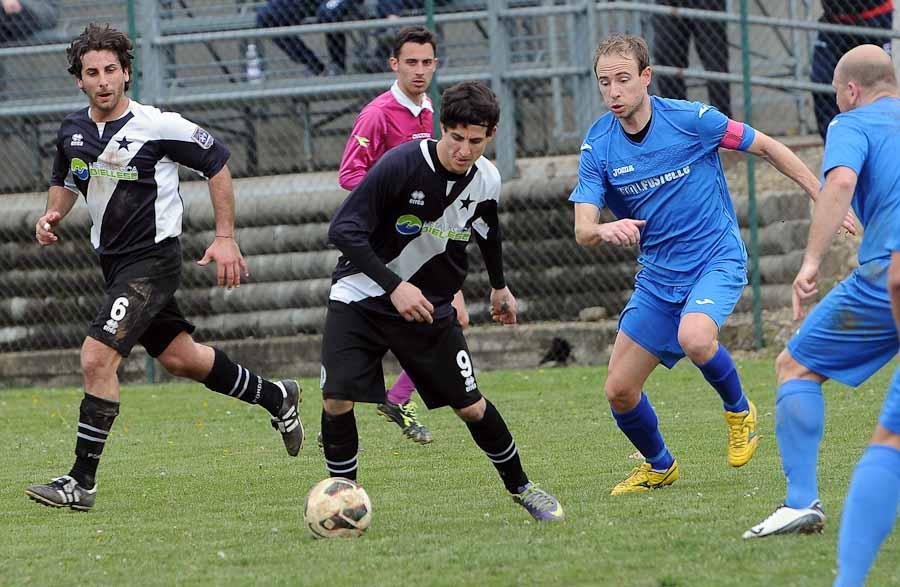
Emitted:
pixel 621 394
pixel 96 364
pixel 786 368
pixel 473 413
pixel 336 407
pixel 176 365
pixel 699 346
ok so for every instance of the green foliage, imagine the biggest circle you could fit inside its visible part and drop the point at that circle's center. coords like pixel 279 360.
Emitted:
pixel 195 488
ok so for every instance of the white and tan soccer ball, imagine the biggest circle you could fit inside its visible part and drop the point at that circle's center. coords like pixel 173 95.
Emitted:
pixel 337 508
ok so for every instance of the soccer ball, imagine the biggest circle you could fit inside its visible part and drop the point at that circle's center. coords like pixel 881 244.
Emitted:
pixel 337 508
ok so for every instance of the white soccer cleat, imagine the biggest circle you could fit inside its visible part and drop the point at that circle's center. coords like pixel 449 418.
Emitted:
pixel 785 520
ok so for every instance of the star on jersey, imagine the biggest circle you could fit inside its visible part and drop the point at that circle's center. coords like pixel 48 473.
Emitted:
pixel 464 204
pixel 123 144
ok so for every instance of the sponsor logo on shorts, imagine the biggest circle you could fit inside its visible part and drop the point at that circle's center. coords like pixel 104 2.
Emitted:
pixel 80 169
pixel 470 384
pixel 704 302
pixel 111 326
pixel 203 138
pixel 409 224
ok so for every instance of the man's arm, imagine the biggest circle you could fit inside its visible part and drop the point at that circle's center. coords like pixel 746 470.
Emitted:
pixel 224 250
pixel 364 147
pixel 831 206
pixel 589 233
pixel 60 201
pixel 787 162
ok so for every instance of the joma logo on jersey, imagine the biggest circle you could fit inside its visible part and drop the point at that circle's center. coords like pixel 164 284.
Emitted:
pixel 622 170
pixel 417 198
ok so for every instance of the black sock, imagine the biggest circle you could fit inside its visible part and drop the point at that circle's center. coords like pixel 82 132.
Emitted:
pixel 341 444
pixel 230 378
pixel 494 438
pixel 95 420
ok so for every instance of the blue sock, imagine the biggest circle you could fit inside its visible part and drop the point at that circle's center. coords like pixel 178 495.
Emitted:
pixel 721 373
pixel 642 429
pixel 869 513
pixel 799 425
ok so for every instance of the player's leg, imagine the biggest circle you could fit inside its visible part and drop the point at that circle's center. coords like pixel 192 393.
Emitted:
pixel 875 487
pixel 403 411
pixel 437 356
pixel 170 342
pixel 399 408
pixel 492 436
pixel 648 336
pixel 353 346
pixel 629 367
pixel 709 303
pixel 847 337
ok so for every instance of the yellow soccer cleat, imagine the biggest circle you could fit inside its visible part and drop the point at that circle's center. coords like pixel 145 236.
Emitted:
pixel 742 436
pixel 643 478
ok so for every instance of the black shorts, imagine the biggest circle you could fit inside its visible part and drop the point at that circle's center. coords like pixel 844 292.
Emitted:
pixel 140 304
pixel 435 356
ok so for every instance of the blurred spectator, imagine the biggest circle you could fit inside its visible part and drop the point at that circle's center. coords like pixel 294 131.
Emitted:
pixel 293 12
pixel 672 41
pixel 829 47
pixel 20 19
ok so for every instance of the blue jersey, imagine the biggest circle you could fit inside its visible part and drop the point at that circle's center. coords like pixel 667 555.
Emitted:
pixel 674 180
pixel 867 140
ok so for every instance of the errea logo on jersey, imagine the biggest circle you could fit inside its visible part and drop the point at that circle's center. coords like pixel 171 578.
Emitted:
pixel 77 140
pixel 417 198
pixel 622 170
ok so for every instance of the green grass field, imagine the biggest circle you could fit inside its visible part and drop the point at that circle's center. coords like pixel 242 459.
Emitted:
pixel 195 488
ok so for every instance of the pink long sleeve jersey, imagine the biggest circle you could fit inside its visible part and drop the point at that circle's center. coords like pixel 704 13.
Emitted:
pixel 389 120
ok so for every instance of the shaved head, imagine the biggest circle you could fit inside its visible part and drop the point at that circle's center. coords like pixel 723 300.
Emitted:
pixel 864 74
pixel 868 65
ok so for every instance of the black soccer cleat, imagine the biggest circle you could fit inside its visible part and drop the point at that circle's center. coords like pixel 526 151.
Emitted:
pixel 288 420
pixel 63 492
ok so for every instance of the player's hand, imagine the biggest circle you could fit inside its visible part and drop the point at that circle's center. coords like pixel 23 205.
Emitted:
pixel 805 288
pixel 230 264
pixel 503 306
pixel 412 305
pixel 625 232
pixel 849 223
pixel 43 230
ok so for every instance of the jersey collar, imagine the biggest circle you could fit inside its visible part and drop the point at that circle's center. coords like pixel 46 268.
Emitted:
pixel 404 101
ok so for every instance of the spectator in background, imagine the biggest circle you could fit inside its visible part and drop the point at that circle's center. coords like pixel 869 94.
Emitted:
pixel 672 41
pixel 830 46
pixel 293 12
pixel 20 19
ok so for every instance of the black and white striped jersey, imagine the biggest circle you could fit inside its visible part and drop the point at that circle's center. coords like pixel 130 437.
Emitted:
pixel 410 220
pixel 127 170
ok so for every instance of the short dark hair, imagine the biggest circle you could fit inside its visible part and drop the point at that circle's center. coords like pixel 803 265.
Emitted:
pixel 470 103
pixel 624 46
pixel 100 38
pixel 413 34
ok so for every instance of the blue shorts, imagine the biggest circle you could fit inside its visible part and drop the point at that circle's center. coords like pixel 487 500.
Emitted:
pixel 654 312
pixel 851 333
pixel 890 412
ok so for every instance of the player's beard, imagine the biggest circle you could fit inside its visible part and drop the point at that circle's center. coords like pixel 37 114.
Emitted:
pixel 114 101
